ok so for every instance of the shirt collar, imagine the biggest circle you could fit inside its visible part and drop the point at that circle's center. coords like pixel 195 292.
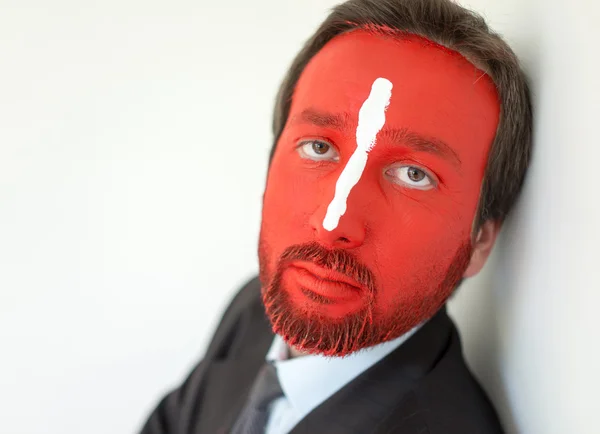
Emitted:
pixel 308 381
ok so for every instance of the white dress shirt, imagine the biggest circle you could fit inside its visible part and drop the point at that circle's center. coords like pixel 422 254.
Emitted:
pixel 308 381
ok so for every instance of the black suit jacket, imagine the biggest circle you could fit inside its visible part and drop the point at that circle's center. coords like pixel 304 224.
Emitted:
pixel 423 387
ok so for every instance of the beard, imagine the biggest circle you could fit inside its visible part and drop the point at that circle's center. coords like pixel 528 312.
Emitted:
pixel 314 332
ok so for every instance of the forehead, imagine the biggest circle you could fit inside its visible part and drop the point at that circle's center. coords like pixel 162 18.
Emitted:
pixel 436 91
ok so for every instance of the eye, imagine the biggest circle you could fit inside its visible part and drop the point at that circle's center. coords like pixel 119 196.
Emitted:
pixel 317 150
pixel 412 177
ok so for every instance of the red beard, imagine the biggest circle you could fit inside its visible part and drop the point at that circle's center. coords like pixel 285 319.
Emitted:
pixel 313 332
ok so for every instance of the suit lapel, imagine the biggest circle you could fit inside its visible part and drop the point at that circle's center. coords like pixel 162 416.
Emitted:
pixel 362 405
pixel 228 384
pixel 228 381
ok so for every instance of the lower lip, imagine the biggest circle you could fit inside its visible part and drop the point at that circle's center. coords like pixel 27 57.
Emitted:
pixel 341 298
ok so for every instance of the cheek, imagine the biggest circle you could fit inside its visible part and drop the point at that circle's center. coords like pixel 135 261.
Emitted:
pixel 413 249
pixel 289 201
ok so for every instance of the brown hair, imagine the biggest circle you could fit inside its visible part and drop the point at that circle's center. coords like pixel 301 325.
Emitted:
pixel 459 29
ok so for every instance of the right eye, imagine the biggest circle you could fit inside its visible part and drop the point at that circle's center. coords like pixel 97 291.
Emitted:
pixel 317 150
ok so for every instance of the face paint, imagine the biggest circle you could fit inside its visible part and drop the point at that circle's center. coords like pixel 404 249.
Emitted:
pixel 313 330
pixel 371 119
pixel 403 242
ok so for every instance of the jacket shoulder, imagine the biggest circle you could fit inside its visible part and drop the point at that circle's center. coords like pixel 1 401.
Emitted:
pixel 447 399
pixel 453 400
pixel 180 411
pixel 245 310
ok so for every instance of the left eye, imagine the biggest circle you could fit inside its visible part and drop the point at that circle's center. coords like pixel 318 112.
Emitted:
pixel 317 150
pixel 412 177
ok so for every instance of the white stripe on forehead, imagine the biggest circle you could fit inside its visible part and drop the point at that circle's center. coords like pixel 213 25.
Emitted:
pixel 371 119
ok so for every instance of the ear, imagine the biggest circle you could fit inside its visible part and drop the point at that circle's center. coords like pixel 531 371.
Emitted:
pixel 482 247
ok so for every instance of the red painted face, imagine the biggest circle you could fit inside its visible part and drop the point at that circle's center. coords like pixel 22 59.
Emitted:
pixel 404 241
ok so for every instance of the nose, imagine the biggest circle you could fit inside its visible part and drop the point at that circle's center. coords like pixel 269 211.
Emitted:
pixel 348 234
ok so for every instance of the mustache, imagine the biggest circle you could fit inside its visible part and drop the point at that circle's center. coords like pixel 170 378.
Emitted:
pixel 338 260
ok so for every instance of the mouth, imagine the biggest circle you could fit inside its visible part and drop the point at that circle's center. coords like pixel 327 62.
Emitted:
pixel 328 284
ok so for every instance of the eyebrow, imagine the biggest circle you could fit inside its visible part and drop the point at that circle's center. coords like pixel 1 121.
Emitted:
pixel 404 136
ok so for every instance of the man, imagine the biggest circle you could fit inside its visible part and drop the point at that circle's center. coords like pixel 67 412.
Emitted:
pixel 402 137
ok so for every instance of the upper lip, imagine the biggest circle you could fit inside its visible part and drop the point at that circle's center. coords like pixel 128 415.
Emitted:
pixel 327 274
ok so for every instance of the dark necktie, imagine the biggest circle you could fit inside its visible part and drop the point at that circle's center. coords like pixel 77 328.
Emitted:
pixel 254 415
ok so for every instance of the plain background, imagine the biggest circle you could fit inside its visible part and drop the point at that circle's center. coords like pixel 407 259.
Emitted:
pixel 133 146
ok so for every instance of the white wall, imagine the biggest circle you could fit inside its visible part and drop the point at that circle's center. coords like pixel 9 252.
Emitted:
pixel 529 320
pixel 133 145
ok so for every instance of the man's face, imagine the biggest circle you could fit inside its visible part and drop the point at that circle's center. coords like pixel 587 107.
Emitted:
pixel 404 241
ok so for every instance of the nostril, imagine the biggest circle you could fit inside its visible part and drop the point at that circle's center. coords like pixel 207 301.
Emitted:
pixel 344 240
